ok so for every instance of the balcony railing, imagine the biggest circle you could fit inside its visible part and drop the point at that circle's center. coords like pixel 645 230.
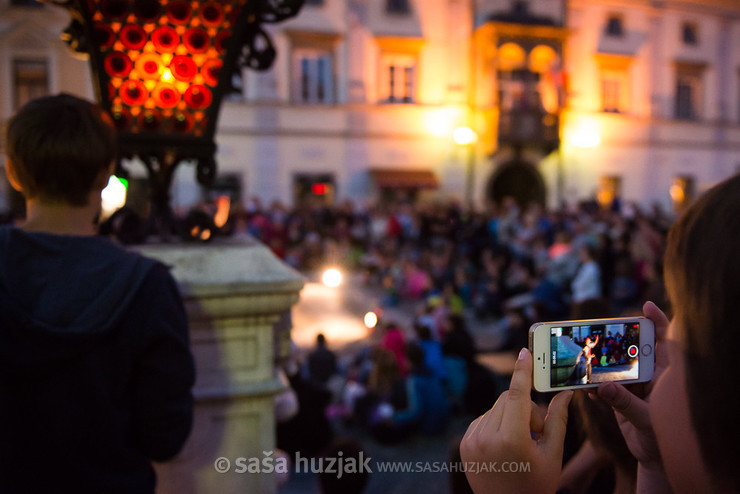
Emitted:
pixel 529 128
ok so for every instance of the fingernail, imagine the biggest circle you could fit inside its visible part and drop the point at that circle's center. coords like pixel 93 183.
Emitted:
pixel 522 353
pixel 609 391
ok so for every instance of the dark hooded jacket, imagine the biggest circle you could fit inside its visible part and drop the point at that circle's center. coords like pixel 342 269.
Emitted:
pixel 95 366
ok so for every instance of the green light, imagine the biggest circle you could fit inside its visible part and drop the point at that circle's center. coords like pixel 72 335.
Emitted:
pixel 123 181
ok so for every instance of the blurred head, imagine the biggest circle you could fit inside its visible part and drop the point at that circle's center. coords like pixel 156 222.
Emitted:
pixel 60 149
pixel 415 354
pixel 693 411
pixel 385 372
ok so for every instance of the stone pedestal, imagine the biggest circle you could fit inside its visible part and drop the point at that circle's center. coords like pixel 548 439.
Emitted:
pixel 235 291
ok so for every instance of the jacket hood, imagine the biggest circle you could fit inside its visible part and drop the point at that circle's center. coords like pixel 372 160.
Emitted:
pixel 59 293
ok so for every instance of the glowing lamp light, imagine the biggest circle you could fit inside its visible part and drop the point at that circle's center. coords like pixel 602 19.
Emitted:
pixel 464 136
pixel 318 189
pixel 223 206
pixel 332 278
pixel 113 195
pixel 585 137
pixel 677 193
pixel 370 320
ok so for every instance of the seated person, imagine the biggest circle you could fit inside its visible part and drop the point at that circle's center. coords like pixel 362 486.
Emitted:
pixel 428 408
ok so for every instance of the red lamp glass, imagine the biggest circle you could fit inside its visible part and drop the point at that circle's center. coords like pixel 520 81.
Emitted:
pixel 179 12
pixel 118 64
pixel 165 39
pixel 196 40
pixel 161 68
pixel 133 37
pixel 212 14
pixel 166 95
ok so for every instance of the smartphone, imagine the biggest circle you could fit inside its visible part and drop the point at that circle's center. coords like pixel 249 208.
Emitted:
pixel 583 354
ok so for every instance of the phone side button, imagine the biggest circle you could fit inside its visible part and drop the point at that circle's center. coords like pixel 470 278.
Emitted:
pixel 647 350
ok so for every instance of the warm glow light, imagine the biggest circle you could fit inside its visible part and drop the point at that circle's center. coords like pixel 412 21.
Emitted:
pixel 113 196
pixel 332 278
pixel 439 122
pixel 371 320
pixel 464 136
pixel 223 205
pixel 585 134
pixel 677 193
pixel 167 75
pixel 511 56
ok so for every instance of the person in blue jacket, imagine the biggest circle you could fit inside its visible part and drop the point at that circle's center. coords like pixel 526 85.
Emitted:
pixel 428 409
pixel 95 365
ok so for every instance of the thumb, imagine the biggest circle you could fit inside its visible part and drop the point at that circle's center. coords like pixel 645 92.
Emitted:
pixel 556 422
pixel 630 406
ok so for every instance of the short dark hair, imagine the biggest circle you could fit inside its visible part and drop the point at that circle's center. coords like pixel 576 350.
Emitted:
pixel 58 146
pixel 414 353
pixel 702 273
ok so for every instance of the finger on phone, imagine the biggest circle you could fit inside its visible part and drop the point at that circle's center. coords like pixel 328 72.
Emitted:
pixel 518 405
pixel 556 421
pixel 658 317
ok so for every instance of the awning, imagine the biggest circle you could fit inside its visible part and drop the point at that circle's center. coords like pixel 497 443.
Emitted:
pixel 404 179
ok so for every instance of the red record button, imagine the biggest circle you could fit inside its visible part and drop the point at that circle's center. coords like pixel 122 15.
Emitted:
pixel 632 351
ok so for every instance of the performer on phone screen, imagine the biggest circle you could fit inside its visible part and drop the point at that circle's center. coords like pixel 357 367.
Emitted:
pixel 588 353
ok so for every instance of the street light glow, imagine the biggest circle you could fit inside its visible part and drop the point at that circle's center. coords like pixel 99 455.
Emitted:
pixel 464 136
pixel 371 320
pixel 113 196
pixel 332 278
pixel 585 137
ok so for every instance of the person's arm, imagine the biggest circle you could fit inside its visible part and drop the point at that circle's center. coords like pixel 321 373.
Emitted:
pixel 633 417
pixel 579 473
pixel 505 433
pixel 164 373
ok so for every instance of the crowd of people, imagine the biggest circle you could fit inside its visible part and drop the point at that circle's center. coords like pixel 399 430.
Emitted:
pixel 509 265
pixel 507 268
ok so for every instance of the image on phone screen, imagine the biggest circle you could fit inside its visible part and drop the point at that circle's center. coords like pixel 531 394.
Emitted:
pixel 594 354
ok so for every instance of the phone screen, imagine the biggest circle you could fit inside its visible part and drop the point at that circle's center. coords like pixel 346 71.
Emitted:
pixel 594 354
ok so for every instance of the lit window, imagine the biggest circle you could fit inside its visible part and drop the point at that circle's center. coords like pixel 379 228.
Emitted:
pixel 682 192
pixel 397 6
pixel 313 188
pixel 688 34
pixel 398 78
pixel 614 26
pixel 314 76
pixel 688 93
pixel 614 85
pixel 30 80
pixel 610 190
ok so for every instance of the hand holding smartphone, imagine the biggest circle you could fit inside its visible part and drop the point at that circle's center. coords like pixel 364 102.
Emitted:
pixel 585 353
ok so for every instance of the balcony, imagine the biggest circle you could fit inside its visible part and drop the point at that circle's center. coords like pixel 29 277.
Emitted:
pixel 529 128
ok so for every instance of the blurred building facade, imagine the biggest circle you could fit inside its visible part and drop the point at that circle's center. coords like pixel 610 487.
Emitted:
pixel 569 99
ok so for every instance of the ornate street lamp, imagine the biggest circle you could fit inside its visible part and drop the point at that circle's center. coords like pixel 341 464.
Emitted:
pixel 161 67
